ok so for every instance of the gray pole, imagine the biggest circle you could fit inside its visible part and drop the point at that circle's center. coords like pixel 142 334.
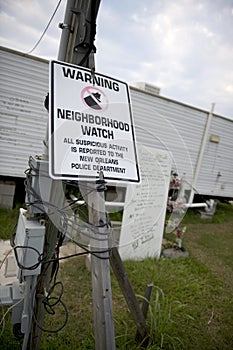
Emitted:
pixel 66 28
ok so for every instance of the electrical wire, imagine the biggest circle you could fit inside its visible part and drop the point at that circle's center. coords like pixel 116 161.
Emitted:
pixel 67 223
pixel 8 253
pixel 23 267
pixel 46 28
pixel 49 302
pixel 20 265
pixel 5 314
pixel 2 321
pixel 86 252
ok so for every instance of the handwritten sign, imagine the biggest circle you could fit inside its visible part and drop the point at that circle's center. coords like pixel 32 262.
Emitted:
pixel 145 207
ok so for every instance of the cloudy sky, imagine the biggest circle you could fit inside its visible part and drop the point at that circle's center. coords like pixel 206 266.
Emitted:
pixel 185 47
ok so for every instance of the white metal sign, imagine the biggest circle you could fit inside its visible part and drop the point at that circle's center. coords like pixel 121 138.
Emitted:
pixel 91 126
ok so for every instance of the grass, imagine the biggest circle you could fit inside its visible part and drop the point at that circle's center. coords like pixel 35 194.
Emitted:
pixel 212 239
pixel 191 305
pixel 8 220
pixel 224 213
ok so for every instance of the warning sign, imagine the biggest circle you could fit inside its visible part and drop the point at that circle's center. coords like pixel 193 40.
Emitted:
pixel 91 126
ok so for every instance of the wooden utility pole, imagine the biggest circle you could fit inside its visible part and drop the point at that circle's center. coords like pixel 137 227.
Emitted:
pixel 77 47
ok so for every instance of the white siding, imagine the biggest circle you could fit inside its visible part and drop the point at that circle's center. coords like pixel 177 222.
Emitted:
pixel 216 173
pixel 23 118
pixel 159 122
pixel 168 125
pixel 178 128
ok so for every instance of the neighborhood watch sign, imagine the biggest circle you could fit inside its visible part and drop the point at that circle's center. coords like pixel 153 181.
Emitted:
pixel 91 126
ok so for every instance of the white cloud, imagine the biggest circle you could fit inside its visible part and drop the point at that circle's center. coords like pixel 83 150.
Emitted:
pixel 185 46
pixel 229 88
pixel 23 22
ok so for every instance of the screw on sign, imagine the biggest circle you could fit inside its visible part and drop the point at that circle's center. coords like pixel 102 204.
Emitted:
pixel 94 98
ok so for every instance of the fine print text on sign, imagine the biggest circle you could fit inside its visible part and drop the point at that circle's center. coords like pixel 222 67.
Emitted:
pixel 91 126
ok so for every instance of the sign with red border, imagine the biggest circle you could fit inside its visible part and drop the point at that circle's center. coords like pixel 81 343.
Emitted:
pixel 91 126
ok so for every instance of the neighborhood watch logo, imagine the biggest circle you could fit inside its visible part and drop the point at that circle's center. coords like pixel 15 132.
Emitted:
pixel 94 98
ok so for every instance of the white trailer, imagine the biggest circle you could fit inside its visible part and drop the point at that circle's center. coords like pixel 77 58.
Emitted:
pixel 23 118
pixel 200 144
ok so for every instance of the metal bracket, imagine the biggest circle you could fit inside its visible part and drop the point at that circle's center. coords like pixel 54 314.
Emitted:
pixel 65 26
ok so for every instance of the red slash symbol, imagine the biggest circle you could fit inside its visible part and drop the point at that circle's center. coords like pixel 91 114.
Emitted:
pixel 94 98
